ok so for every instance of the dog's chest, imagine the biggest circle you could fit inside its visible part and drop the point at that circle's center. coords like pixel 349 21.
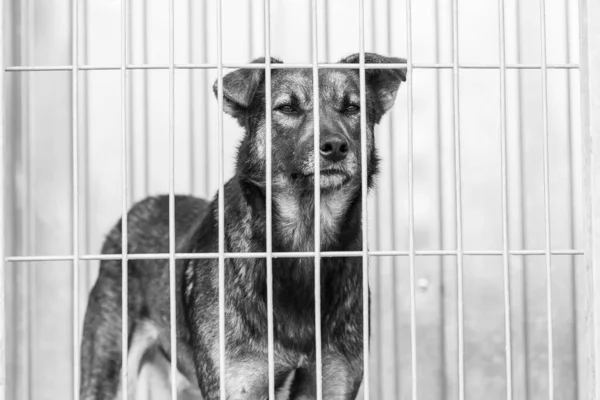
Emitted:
pixel 295 219
pixel 294 298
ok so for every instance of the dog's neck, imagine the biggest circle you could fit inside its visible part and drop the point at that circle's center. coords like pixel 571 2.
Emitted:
pixel 293 219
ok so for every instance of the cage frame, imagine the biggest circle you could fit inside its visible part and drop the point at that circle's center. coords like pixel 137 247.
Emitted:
pixel 589 10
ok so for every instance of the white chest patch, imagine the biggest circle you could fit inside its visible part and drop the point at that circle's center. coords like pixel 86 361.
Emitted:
pixel 296 218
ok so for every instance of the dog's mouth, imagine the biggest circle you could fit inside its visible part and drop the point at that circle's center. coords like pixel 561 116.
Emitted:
pixel 330 178
pixel 329 173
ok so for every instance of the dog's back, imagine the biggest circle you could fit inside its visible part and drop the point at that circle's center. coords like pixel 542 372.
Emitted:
pixel 148 286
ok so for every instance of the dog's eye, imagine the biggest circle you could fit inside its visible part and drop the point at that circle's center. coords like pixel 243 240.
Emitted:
pixel 351 109
pixel 287 109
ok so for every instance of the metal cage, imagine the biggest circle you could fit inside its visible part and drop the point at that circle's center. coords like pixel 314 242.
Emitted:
pixel 585 273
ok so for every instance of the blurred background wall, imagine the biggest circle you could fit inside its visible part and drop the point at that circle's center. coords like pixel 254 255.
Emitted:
pixel 39 172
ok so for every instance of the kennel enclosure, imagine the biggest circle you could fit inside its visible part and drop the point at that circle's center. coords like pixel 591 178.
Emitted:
pixel 88 114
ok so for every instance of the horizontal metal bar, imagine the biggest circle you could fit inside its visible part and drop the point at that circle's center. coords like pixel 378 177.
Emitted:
pixel 49 68
pixel 495 66
pixel 39 258
pixel 291 254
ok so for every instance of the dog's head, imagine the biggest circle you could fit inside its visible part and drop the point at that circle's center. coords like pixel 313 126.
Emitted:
pixel 293 116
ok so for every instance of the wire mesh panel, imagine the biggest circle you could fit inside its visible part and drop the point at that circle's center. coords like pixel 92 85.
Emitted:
pixel 472 238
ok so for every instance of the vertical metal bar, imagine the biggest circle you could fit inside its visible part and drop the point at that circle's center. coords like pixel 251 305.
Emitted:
pixel 589 11
pixel 392 146
pixel 191 96
pixel 146 103
pixel 378 262
pixel 326 43
pixel 458 199
pixel 172 264
pixel 250 33
pixel 504 172
pixel 269 212
pixel 548 255
pixel 30 271
pixel 520 234
pixel 365 216
pixel 575 200
pixel 75 194
pixel 124 200
pixel 2 218
pixel 317 188
pixel 221 204
pixel 440 51
pixel 29 239
pixel 139 143
pixel 85 145
pixel 411 199
pixel 207 97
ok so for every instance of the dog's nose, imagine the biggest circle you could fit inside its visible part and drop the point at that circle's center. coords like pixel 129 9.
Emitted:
pixel 334 147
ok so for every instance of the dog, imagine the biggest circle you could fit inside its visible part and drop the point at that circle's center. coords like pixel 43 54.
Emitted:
pixel 196 229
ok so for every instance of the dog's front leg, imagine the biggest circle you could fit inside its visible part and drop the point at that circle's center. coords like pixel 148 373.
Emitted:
pixel 247 378
pixel 341 379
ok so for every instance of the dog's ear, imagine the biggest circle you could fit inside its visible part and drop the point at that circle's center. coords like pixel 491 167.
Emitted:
pixel 239 88
pixel 383 82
